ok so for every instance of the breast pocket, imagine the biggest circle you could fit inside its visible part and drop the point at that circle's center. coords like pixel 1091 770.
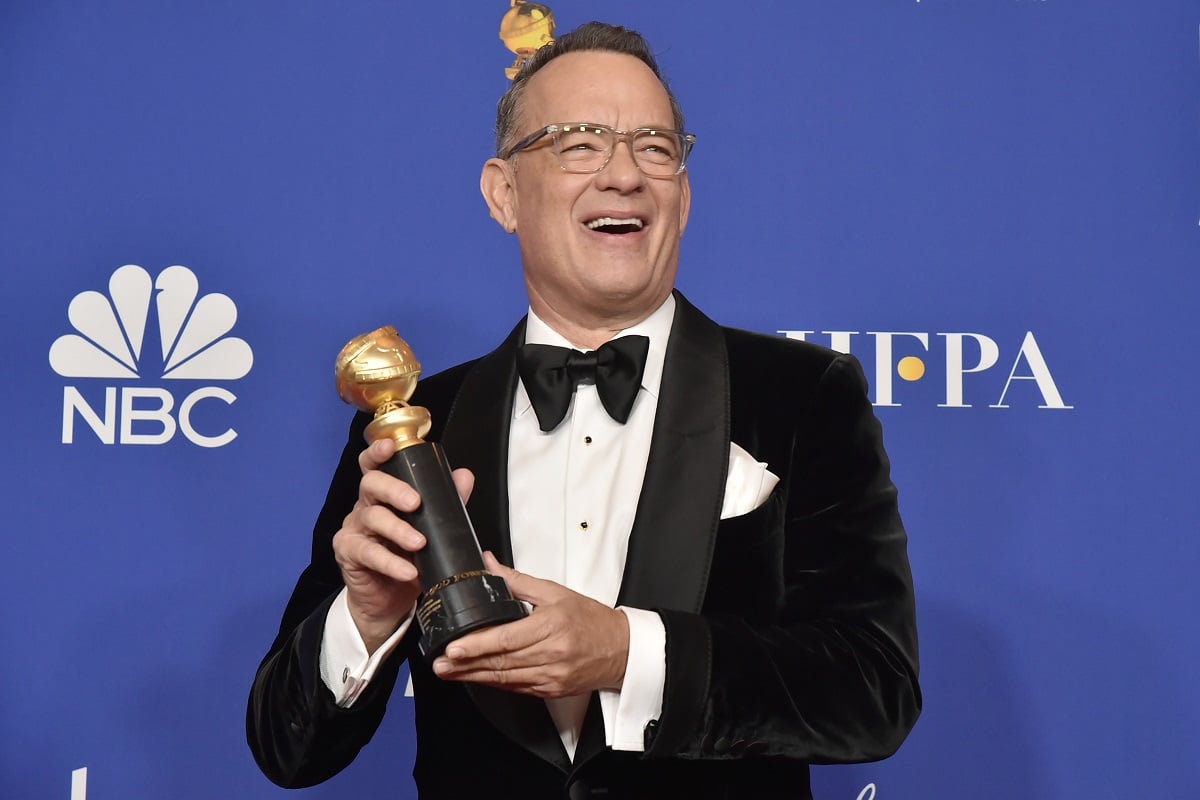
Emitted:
pixel 746 577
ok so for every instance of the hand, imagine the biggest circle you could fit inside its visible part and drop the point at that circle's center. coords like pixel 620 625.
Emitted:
pixel 374 547
pixel 569 645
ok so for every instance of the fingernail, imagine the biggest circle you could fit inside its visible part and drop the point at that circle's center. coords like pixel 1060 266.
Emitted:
pixel 454 652
pixel 441 666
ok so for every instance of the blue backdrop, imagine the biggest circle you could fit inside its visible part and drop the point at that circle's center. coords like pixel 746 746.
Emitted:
pixel 993 203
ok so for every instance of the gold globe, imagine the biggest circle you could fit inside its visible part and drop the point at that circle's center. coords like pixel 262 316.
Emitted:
pixel 524 28
pixel 378 372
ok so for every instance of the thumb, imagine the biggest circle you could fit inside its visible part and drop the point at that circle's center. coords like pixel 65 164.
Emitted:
pixel 523 587
pixel 464 481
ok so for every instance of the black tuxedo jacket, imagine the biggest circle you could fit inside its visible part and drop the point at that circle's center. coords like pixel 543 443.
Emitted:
pixel 790 630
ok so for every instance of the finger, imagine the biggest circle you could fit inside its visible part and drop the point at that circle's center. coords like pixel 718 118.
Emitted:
pixel 527 658
pixel 493 565
pixel 497 642
pixel 525 680
pixel 464 481
pixel 379 488
pixel 524 587
pixel 378 558
pixel 382 523
pixel 365 553
pixel 376 453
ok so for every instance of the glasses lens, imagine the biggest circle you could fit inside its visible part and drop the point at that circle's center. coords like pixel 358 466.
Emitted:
pixel 582 148
pixel 588 148
pixel 658 153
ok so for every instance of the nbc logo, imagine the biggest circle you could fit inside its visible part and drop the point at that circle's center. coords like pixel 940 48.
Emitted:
pixel 108 343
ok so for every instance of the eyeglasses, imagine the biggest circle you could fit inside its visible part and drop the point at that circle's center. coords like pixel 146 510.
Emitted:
pixel 588 147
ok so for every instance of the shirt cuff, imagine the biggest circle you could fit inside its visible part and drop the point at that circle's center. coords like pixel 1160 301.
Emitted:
pixel 639 700
pixel 346 668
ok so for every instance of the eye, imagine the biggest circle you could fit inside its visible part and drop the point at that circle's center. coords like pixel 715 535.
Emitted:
pixel 582 141
pixel 657 147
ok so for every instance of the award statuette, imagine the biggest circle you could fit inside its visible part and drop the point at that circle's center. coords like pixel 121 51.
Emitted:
pixel 525 28
pixel 378 372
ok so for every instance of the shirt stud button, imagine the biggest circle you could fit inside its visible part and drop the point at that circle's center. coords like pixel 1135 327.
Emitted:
pixel 583 526
pixel 587 440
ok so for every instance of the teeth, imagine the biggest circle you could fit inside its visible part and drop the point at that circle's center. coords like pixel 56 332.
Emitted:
pixel 603 221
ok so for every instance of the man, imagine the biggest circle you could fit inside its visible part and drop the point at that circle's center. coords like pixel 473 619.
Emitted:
pixel 719 579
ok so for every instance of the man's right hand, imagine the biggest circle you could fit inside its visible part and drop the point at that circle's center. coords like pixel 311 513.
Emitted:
pixel 374 547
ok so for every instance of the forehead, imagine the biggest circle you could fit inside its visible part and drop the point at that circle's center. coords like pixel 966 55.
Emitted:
pixel 597 86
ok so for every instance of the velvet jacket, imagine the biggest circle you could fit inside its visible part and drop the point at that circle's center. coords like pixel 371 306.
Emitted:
pixel 790 630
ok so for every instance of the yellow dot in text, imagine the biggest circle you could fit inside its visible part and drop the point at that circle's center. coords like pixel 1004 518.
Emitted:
pixel 910 368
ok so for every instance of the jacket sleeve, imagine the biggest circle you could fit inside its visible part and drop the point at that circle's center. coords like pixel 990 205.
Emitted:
pixel 298 735
pixel 809 650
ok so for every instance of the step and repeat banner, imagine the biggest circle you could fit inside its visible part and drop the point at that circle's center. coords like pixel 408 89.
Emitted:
pixel 994 204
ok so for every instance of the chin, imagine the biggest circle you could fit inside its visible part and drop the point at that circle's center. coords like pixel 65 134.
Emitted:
pixel 639 297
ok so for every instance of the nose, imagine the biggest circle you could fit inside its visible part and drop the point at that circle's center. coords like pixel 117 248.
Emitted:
pixel 622 172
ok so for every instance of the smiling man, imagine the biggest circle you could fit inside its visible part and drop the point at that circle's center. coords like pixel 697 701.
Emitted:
pixel 599 235
pixel 701 518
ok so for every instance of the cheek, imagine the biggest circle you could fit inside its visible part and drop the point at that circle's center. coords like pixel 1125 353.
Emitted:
pixel 671 205
pixel 543 209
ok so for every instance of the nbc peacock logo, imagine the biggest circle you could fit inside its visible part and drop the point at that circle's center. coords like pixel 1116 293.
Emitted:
pixel 110 342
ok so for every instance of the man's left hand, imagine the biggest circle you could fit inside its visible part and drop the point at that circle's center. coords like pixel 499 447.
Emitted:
pixel 569 645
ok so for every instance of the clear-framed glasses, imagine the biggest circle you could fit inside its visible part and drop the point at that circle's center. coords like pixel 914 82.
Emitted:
pixel 588 147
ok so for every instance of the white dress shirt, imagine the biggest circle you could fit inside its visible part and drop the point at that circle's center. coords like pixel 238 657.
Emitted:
pixel 573 494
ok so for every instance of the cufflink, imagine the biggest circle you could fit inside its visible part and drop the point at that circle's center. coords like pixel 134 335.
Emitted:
pixel 648 733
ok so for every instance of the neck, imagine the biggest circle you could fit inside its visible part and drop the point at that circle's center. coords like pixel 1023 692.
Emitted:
pixel 589 331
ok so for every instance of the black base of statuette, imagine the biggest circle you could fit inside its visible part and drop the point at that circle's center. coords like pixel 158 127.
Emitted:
pixel 460 595
pixel 470 603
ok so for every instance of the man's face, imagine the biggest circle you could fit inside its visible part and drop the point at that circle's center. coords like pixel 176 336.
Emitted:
pixel 576 269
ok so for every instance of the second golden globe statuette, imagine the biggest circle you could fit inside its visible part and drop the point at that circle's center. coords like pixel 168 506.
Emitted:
pixel 525 28
pixel 377 372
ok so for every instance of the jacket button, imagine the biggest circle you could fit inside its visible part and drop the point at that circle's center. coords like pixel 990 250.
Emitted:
pixel 756 748
pixel 737 748
pixel 721 746
pixel 579 790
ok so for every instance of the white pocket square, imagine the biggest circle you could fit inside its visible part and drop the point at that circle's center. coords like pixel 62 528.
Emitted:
pixel 748 485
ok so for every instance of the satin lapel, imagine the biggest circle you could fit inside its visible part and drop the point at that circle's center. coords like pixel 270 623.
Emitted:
pixel 671 544
pixel 591 735
pixel 476 436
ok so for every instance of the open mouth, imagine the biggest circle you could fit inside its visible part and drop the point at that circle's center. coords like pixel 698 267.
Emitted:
pixel 616 225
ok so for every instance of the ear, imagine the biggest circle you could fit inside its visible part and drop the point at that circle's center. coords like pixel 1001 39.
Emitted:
pixel 685 201
pixel 496 184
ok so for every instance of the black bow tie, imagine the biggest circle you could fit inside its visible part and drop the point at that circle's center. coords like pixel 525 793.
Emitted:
pixel 550 375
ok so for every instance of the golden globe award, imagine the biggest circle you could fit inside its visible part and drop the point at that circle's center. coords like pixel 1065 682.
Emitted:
pixel 377 372
pixel 525 28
